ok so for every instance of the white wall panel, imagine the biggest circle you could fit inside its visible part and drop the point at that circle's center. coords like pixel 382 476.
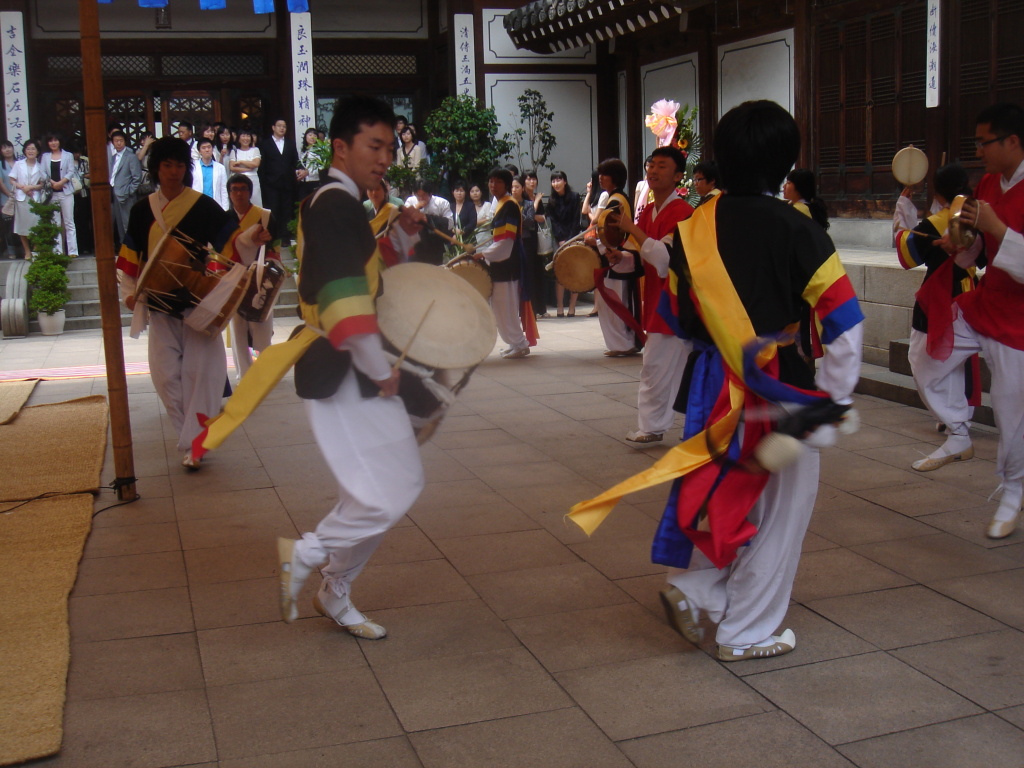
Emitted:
pixel 758 68
pixel 674 79
pixel 499 48
pixel 573 99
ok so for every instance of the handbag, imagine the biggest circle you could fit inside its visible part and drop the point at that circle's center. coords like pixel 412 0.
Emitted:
pixel 46 193
pixel 545 241
pixel 76 184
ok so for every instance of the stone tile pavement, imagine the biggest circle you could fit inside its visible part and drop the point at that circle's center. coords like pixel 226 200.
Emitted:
pixel 514 640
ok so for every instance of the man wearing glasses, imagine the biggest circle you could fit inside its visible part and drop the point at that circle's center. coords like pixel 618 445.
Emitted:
pixel 990 319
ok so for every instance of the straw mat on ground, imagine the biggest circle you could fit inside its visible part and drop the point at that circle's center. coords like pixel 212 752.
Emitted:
pixel 40 545
pixel 56 448
pixel 13 395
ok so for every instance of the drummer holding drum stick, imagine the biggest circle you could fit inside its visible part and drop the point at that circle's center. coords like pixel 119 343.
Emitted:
pixel 989 319
pixel 344 377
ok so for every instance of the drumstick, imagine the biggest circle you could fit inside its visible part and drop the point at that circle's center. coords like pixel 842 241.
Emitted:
pixel 467 247
pixel 401 357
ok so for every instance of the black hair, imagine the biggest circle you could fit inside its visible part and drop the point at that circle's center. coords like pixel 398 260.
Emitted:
pixel 203 140
pixel 33 143
pixel 306 133
pixel 504 175
pixel 460 184
pixel 708 169
pixel 401 118
pixel 614 168
pixel 756 143
pixel 807 188
pixel 561 175
pixel 950 181
pixel 530 175
pixel 187 124
pixel 51 136
pixel 513 169
pixel 427 186
pixel 169 148
pixel 118 133
pixel 1003 119
pixel 239 178
pixel 677 157
pixel 354 113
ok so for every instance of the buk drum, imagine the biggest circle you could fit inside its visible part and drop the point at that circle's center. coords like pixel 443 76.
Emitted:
pixel 438 328
pixel 575 264
pixel 473 272
pixel 263 286
pixel 175 272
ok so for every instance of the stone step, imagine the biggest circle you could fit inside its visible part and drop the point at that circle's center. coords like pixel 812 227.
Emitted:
pixel 900 388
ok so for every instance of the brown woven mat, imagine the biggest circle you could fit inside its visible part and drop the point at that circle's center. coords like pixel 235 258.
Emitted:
pixel 13 395
pixel 51 449
pixel 40 545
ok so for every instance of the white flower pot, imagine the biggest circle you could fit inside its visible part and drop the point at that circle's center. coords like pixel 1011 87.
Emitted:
pixel 51 325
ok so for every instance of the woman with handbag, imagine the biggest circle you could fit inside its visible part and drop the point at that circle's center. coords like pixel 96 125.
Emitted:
pixel 59 166
pixel 28 179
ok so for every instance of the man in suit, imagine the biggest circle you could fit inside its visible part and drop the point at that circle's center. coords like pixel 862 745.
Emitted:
pixel 280 159
pixel 125 177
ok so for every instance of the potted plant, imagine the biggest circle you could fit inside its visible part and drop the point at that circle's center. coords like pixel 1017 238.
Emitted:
pixel 533 139
pixel 463 138
pixel 47 276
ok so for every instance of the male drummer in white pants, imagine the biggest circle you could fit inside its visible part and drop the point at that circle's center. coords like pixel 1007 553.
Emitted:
pixel 256 228
pixel 504 258
pixel 665 354
pixel 347 384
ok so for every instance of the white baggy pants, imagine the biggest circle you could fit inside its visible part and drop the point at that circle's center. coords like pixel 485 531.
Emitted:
pixel 617 335
pixel 505 305
pixel 262 333
pixel 937 384
pixel 660 376
pixel 369 445
pixel 749 598
pixel 189 370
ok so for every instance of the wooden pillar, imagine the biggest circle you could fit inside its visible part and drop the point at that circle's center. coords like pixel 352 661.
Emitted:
pixel 106 273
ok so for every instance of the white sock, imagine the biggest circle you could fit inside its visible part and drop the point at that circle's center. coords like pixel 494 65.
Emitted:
pixel 1009 504
pixel 954 444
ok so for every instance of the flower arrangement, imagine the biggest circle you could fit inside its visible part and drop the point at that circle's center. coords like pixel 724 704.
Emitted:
pixel 675 125
pixel 317 156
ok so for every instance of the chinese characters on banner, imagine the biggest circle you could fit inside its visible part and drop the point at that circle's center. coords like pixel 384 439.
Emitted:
pixel 465 55
pixel 931 98
pixel 15 92
pixel 302 76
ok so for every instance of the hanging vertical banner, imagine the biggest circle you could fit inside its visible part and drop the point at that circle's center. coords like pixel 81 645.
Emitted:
pixel 302 75
pixel 465 55
pixel 931 98
pixel 12 30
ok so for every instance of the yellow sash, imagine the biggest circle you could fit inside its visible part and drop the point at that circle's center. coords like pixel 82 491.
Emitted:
pixel 730 328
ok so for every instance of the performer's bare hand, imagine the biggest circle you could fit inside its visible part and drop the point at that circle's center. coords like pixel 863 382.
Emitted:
pixel 261 236
pixel 982 216
pixel 411 220
pixel 908 191
pixel 613 256
pixel 945 244
pixel 590 240
pixel 389 386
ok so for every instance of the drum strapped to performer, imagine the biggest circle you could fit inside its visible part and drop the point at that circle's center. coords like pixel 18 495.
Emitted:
pixel 177 272
pixel 444 327
pixel 574 267
pixel 264 282
pixel 608 231
pixel 473 272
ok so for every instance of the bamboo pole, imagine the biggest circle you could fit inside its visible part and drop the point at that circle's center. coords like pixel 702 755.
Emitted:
pixel 106 272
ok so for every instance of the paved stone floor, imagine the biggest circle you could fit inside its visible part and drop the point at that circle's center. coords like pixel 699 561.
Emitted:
pixel 514 640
